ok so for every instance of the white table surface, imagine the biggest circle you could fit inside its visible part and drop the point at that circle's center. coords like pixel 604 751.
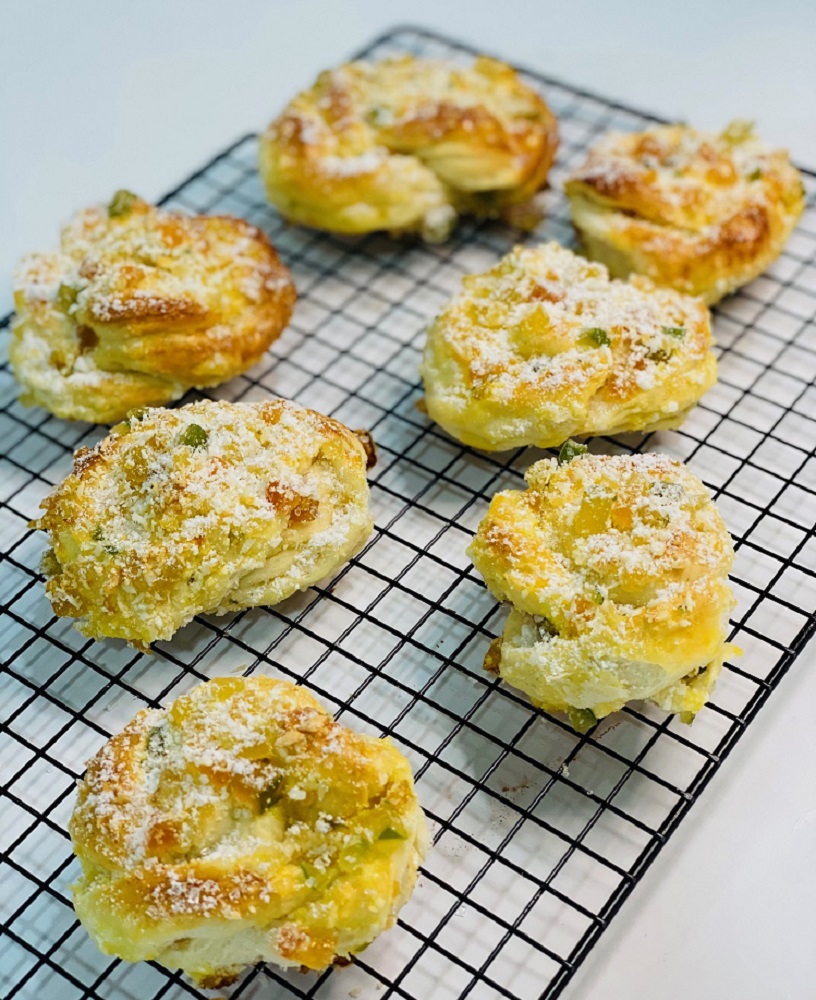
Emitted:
pixel 98 95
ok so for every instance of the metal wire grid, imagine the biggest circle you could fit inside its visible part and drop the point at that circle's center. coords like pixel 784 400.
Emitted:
pixel 540 834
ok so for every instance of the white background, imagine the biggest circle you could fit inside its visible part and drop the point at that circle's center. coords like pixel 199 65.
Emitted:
pixel 100 95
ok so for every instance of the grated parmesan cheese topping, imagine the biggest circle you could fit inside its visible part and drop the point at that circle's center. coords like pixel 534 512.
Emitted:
pixel 388 144
pixel 679 176
pixel 150 261
pixel 602 544
pixel 203 509
pixel 527 325
pixel 241 794
pixel 141 304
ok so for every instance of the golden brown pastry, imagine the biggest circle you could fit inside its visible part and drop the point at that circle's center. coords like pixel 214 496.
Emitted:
pixel 406 145
pixel 544 346
pixel 697 211
pixel 242 824
pixel 139 305
pixel 209 508
pixel 617 570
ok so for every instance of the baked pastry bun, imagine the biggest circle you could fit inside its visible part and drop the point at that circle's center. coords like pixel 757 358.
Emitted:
pixel 209 508
pixel 407 144
pixel 617 570
pixel 242 824
pixel 141 304
pixel 697 211
pixel 545 346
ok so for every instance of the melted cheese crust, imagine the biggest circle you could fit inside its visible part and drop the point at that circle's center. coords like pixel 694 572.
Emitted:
pixel 697 211
pixel 545 346
pixel 205 509
pixel 406 144
pixel 617 570
pixel 243 824
pixel 139 306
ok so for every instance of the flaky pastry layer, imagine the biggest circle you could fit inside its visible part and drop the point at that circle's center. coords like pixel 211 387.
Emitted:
pixel 701 212
pixel 545 346
pixel 617 571
pixel 209 508
pixel 407 144
pixel 243 824
pixel 140 304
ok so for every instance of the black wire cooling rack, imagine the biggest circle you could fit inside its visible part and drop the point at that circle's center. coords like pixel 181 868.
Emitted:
pixel 540 834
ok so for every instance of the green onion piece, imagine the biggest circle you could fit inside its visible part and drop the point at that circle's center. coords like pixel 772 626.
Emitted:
pixel 121 203
pixel 66 297
pixel 598 336
pixel 270 794
pixel 96 534
pixel 756 174
pixel 310 873
pixel 194 436
pixel 379 115
pixel 389 833
pixel 737 131
pixel 582 719
pixel 570 450
pixel 674 331
pixel 156 742
pixel 597 597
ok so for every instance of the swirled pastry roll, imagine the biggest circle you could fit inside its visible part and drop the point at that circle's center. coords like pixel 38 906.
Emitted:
pixel 205 509
pixel 242 824
pixel 545 346
pixel 617 570
pixel 407 144
pixel 139 305
pixel 697 211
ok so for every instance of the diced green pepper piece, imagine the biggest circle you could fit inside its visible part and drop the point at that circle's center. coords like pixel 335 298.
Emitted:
pixel 156 742
pixel 121 203
pixel 66 297
pixel 582 719
pixel 598 336
pixel 737 131
pixel 545 627
pixel 570 450
pixel 674 331
pixel 389 833
pixel 194 436
pixel 270 794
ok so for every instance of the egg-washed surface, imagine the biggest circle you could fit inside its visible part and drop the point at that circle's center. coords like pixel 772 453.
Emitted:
pixel 617 570
pixel 408 144
pixel 209 508
pixel 243 824
pixel 544 346
pixel 140 304
pixel 540 834
pixel 702 212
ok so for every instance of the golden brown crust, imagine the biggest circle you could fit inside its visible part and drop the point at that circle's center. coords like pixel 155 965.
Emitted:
pixel 696 211
pixel 243 824
pixel 208 508
pixel 405 144
pixel 138 306
pixel 544 346
pixel 617 570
